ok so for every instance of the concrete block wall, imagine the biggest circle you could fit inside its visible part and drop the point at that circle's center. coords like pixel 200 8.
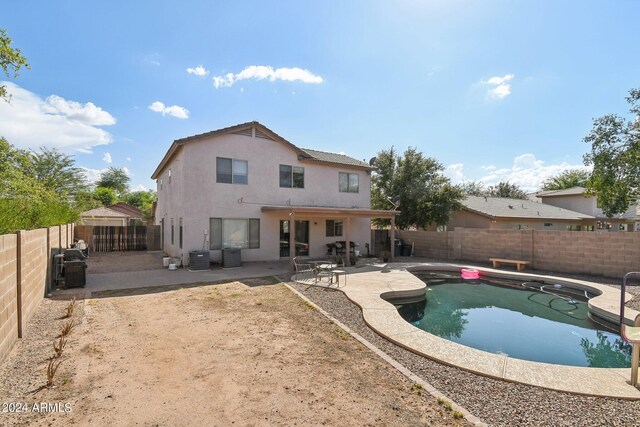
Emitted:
pixel 8 294
pixel 25 271
pixel 600 253
pixel 430 245
pixel 34 257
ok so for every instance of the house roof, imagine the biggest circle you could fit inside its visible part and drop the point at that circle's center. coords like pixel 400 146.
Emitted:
pixel 499 207
pixel 337 158
pixel 127 209
pixel 103 212
pixel 573 191
pixel 261 132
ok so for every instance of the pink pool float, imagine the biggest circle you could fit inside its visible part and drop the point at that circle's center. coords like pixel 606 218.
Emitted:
pixel 469 273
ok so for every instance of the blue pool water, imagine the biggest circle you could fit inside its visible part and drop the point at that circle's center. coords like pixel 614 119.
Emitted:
pixel 552 326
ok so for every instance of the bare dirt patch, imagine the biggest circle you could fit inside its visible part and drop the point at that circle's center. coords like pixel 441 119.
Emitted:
pixel 108 262
pixel 219 355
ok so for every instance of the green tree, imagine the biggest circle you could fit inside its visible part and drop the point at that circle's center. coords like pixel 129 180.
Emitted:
pixel 116 178
pixel 142 200
pixel 567 179
pixel 105 195
pixel 25 202
pixel 615 156
pixel 507 190
pixel 416 184
pixel 58 173
pixel 11 60
pixel 473 188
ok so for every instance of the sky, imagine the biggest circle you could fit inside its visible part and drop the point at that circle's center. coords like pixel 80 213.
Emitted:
pixel 494 90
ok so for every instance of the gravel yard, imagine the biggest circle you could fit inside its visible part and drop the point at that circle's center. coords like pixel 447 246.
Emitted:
pixel 496 402
pixel 249 353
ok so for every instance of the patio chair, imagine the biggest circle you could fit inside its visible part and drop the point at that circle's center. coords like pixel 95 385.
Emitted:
pixel 304 269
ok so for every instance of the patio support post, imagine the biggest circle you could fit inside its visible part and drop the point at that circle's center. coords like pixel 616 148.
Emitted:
pixel 292 239
pixel 347 260
pixel 393 237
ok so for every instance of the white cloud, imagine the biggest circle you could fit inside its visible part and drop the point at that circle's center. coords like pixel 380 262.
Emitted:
pixel 198 71
pixel 455 173
pixel 152 59
pixel 107 157
pixel 31 122
pixel 499 86
pixel 262 72
pixel 174 110
pixel 92 174
pixel 128 159
pixel 140 187
pixel 527 172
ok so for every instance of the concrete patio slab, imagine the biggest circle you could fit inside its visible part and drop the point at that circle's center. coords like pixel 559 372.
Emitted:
pixel 133 270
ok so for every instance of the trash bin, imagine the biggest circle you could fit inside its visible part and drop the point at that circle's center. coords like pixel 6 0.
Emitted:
pixel 231 257
pixel 406 250
pixel 75 274
pixel 397 248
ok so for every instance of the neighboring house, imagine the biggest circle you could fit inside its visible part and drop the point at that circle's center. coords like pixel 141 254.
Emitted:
pixel 136 216
pixel 499 213
pixel 103 216
pixel 241 186
pixel 577 199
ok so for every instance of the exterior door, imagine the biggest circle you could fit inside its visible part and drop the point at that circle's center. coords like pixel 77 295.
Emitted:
pixel 301 238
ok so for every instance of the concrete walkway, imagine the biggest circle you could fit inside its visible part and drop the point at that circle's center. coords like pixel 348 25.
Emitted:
pixel 367 286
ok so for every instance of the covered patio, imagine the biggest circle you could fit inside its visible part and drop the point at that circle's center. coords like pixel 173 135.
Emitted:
pixel 343 214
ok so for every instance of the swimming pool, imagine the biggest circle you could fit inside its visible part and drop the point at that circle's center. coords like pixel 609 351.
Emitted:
pixel 536 321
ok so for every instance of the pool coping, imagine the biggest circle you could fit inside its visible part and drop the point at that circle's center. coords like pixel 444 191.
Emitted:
pixel 368 287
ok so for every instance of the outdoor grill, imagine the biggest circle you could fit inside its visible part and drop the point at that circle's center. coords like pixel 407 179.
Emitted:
pixel 71 268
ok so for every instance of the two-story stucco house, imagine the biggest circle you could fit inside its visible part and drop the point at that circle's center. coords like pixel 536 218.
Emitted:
pixel 247 187
pixel 577 199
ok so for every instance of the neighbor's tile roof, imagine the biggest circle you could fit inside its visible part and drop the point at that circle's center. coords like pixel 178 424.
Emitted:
pixel 573 191
pixel 127 209
pixel 103 212
pixel 500 207
pixel 324 156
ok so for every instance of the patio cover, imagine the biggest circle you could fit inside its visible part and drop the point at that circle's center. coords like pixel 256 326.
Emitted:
pixel 345 213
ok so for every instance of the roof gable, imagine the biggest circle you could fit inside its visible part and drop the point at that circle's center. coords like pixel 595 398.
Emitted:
pixel 257 130
pixel 126 209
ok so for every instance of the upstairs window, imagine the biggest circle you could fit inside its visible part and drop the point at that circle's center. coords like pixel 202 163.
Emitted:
pixel 291 176
pixel 333 228
pixel 348 182
pixel 231 171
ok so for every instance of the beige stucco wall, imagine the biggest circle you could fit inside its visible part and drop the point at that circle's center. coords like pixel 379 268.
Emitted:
pixel 576 203
pixel 194 195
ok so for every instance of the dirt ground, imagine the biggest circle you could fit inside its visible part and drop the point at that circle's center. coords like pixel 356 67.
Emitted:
pixel 108 262
pixel 232 354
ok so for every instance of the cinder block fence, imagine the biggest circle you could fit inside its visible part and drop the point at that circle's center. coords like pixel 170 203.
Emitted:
pixel 26 259
pixel 597 253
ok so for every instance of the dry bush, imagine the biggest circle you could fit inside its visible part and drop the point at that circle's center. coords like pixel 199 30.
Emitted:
pixel 70 307
pixel 59 345
pixel 67 328
pixel 52 368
